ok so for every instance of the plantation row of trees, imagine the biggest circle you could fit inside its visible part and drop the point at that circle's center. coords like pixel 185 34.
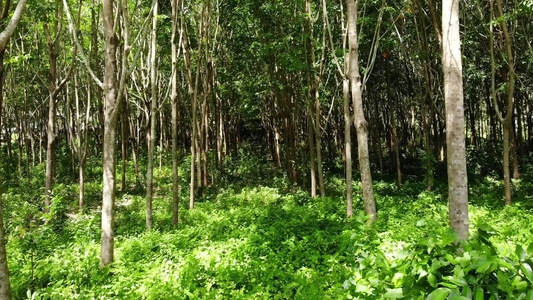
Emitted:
pixel 308 78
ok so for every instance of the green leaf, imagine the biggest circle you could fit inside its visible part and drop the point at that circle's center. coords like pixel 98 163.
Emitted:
pixel 439 294
pixel 467 292
pixel 449 285
pixel 480 295
pixel 394 294
pixel 528 272
pixel 432 280
pixel 459 298
pixel 529 295
pixel 530 250
pixel 421 222
pixel 520 253
pixel 456 280
pixel 483 267
pixel 449 238
pixel 521 285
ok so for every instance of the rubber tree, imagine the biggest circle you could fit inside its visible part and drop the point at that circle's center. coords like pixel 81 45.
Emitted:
pixel 361 125
pixel 455 121
pixel 5 35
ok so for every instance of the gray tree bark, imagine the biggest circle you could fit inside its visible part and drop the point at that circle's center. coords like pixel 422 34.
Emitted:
pixel 150 134
pixel 111 87
pixel 361 125
pixel 455 123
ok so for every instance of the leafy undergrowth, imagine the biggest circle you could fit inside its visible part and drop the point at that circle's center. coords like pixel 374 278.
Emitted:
pixel 250 238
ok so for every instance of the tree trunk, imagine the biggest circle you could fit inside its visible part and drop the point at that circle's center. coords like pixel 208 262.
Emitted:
pixel 174 102
pixel 311 140
pixel 394 136
pixel 81 180
pixel 348 143
pixel 5 284
pixel 507 121
pixel 110 128
pixel 150 133
pixel 53 48
pixel 455 123
pixel 361 125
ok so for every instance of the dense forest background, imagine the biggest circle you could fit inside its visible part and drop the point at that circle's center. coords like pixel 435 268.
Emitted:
pixel 309 149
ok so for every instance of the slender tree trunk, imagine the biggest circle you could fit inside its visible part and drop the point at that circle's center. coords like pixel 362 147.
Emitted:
pixel 110 128
pixel 5 284
pixel 507 121
pixel 150 134
pixel 361 125
pixel 348 142
pixel 5 35
pixel 81 180
pixel 455 123
pixel 318 135
pixel 53 48
pixel 394 136
pixel 174 102
pixel 514 155
pixel 311 140
pixel 124 133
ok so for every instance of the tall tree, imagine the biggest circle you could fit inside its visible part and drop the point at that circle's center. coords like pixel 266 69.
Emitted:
pixel 361 125
pixel 5 35
pixel 52 32
pixel 150 133
pixel 455 122
pixel 174 102
pixel 506 121
pixel 111 86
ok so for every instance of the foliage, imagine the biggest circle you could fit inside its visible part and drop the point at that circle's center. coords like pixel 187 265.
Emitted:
pixel 248 238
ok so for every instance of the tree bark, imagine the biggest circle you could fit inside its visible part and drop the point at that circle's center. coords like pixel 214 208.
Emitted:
pixel 347 141
pixel 150 133
pixel 507 120
pixel 174 102
pixel 53 48
pixel 110 126
pixel 455 123
pixel 361 125
pixel 5 35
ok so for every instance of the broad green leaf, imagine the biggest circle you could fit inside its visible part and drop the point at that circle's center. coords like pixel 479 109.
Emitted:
pixel 449 238
pixel 529 295
pixel 528 272
pixel 522 285
pixel 432 280
pixel 480 295
pixel 448 285
pixel 530 250
pixel 520 253
pixel 439 294
pixel 394 294
pixel 483 267
pixel 467 292
pixel 456 280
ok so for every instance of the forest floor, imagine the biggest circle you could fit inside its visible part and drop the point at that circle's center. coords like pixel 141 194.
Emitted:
pixel 250 238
